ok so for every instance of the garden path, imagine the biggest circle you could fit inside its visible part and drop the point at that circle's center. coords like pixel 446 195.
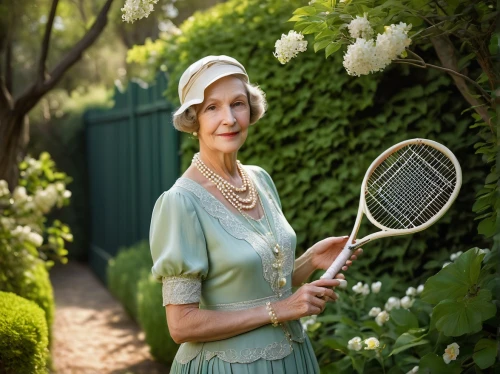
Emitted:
pixel 92 334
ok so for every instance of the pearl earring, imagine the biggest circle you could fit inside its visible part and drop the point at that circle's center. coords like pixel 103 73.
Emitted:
pixel 195 133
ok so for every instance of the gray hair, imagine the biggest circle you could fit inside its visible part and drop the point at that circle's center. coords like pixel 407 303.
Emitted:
pixel 188 120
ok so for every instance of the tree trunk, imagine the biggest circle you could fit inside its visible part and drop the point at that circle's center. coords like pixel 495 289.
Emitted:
pixel 14 138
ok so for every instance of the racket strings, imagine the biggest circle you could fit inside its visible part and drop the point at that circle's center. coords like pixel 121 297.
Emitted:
pixel 410 187
pixel 419 193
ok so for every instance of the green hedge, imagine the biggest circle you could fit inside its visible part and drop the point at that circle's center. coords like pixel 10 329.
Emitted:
pixel 152 318
pixel 130 281
pixel 323 129
pixel 124 272
pixel 24 274
pixel 23 336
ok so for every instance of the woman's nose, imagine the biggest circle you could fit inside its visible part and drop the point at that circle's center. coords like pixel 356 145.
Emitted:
pixel 229 118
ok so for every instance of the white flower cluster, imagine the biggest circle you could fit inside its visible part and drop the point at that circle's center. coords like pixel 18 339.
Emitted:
pixel 137 9
pixel 454 256
pixel 289 46
pixel 376 287
pixel 24 233
pixel 356 344
pixel 364 289
pixel 360 28
pixel 361 288
pixel 382 316
pixel 451 353
pixel 46 198
pixel 4 188
pixel 366 55
pixel 414 370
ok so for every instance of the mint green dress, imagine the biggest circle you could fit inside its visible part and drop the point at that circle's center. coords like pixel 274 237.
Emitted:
pixel 204 253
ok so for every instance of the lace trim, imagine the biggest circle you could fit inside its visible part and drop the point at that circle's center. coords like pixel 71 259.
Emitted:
pixel 279 222
pixel 181 290
pixel 273 351
pixel 248 304
pixel 226 218
pixel 187 352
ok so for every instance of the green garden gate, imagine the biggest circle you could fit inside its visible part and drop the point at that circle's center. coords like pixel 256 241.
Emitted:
pixel 132 157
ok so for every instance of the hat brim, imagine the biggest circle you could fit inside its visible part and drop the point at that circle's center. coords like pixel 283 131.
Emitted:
pixel 198 97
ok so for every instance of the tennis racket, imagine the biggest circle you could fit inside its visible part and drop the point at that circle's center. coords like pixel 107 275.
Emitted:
pixel 405 190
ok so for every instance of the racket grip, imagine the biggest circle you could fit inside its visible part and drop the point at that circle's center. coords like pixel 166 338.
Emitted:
pixel 339 262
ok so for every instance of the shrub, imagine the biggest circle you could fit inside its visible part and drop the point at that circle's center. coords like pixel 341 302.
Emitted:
pixel 24 274
pixel 129 280
pixel 323 129
pixel 124 272
pixel 23 335
pixel 153 320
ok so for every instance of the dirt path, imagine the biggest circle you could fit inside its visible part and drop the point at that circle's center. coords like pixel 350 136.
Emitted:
pixel 92 334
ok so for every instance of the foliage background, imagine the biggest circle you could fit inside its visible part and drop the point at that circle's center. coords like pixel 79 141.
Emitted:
pixel 323 129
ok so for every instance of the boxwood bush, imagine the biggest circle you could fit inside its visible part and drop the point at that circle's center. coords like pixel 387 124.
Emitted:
pixel 152 318
pixel 26 275
pixel 124 272
pixel 130 281
pixel 23 335
pixel 323 129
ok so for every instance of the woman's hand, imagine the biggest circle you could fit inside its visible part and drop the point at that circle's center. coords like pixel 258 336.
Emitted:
pixel 309 299
pixel 324 252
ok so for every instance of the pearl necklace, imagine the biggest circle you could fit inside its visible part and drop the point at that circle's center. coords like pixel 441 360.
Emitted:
pixel 227 190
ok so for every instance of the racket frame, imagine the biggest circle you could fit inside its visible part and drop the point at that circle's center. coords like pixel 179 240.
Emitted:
pixel 353 244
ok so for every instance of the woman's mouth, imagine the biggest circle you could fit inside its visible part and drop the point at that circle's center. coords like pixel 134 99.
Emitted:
pixel 229 134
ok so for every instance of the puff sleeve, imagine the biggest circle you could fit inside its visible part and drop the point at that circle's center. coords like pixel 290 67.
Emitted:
pixel 178 248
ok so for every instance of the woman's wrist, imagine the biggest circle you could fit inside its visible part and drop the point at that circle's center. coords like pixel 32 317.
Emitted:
pixel 281 311
pixel 303 268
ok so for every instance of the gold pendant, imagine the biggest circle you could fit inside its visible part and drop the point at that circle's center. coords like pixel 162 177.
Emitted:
pixel 276 249
pixel 282 282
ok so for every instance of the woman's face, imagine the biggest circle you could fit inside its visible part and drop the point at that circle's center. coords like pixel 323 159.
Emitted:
pixel 224 116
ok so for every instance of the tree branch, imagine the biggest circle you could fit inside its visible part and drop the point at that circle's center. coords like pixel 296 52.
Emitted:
pixel 8 62
pixel 32 95
pixel 446 53
pixel 46 42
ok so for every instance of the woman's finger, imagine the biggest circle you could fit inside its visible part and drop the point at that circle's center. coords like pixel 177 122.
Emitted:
pixel 348 263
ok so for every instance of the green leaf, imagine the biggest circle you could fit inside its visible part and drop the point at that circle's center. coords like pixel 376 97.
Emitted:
pixel 487 227
pixel 335 345
pixel 431 363
pixel 455 318
pixel 406 341
pixel 332 48
pixel 454 280
pixel 358 363
pixel 485 353
pixel 404 318
pixel 320 45
pixel 306 10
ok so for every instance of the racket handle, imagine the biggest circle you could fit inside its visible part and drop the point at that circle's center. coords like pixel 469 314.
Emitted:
pixel 339 262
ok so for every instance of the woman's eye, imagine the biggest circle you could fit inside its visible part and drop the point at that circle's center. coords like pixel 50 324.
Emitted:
pixel 239 103
pixel 210 107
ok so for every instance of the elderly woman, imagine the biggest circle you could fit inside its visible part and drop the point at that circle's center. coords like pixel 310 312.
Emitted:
pixel 223 248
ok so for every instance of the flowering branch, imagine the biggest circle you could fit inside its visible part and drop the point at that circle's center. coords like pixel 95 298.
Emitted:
pixel 422 64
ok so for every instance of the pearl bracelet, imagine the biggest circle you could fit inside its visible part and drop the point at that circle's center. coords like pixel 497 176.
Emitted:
pixel 272 314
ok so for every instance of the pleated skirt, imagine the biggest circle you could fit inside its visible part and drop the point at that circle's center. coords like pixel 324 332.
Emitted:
pixel 300 361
